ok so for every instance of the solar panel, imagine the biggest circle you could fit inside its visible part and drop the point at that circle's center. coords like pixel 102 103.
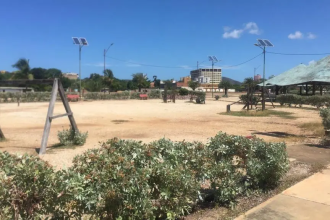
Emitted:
pixel 211 58
pixel 262 43
pixel 269 44
pixel 215 58
pixel 83 41
pixel 76 40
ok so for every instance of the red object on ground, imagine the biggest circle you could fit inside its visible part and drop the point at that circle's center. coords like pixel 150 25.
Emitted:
pixel 73 97
pixel 249 137
pixel 143 96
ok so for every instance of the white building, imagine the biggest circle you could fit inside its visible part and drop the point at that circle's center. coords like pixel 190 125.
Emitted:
pixel 213 76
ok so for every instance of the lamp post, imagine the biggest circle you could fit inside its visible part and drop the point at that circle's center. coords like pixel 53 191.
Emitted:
pixel 104 53
pixel 262 44
pixel 80 42
pixel 213 59
pixel 255 69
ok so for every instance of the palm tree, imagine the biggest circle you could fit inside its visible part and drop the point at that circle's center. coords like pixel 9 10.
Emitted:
pixel 250 85
pixel 108 78
pixel 23 69
pixel 140 80
pixel 225 84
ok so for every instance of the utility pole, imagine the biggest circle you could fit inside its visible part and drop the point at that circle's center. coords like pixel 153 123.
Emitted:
pixel 104 54
pixel 262 44
pixel 213 59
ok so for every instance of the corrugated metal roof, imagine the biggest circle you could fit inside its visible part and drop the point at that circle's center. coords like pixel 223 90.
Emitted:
pixel 315 72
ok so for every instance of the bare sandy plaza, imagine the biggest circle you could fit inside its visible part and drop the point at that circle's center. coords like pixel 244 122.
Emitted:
pixel 144 120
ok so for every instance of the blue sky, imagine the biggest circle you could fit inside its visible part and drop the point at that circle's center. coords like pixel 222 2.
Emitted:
pixel 171 33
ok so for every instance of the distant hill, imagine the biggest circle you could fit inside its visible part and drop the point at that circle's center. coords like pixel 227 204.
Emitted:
pixel 234 82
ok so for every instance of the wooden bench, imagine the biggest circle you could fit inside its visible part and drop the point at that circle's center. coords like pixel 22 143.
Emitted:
pixel 144 96
pixel 73 97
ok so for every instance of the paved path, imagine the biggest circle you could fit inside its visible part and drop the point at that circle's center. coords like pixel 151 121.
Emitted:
pixel 308 199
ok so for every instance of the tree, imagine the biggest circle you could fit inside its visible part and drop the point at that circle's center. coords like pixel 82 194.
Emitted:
pixel 141 81
pixel 108 78
pixel 39 73
pixel 23 67
pixel 54 73
pixel 193 84
pixel 225 84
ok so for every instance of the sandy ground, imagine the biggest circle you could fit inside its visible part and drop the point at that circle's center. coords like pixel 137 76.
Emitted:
pixel 144 120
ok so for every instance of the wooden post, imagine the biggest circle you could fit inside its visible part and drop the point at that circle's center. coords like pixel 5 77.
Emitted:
pixel 2 136
pixel 306 89
pixel 48 118
pixel 321 89
pixel 67 107
pixel 301 90
pixel 314 88
pixel 228 108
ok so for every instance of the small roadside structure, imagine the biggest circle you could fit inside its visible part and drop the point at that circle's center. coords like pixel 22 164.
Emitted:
pixel 308 76
pixel 16 89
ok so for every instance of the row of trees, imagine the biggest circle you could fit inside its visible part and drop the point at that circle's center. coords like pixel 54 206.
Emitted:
pixel 94 83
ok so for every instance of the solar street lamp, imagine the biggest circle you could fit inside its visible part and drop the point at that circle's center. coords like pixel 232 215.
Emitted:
pixel 81 42
pixel 214 60
pixel 263 44
pixel 104 53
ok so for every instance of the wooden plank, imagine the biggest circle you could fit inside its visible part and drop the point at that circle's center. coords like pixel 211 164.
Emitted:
pixel 67 107
pixel 61 115
pixel 48 120
pixel 26 82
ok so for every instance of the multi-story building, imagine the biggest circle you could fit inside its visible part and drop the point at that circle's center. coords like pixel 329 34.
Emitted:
pixel 206 75
pixel 71 75
pixel 257 77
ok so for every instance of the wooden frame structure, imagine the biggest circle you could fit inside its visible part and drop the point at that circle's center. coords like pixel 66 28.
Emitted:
pixel 57 89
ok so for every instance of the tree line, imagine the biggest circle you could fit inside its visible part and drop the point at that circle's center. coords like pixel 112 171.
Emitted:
pixel 94 83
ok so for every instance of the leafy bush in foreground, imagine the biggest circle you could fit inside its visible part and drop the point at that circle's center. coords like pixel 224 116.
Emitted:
pixel 131 180
pixel 69 137
pixel 298 100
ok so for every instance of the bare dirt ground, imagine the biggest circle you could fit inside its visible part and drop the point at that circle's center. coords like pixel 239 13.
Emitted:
pixel 149 120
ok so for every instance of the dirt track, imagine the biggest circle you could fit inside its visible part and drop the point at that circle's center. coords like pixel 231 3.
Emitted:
pixel 141 120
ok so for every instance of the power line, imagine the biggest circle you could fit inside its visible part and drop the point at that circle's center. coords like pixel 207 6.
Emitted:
pixel 245 61
pixel 179 67
pixel 299 54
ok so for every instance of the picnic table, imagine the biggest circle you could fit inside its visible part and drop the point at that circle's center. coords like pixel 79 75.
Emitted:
pixel 72 97
pixel 143 96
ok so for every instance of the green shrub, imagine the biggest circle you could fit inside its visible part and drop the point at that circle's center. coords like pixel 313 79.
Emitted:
pixel 217 97
pixel 28 187
pixel 69 137
pixel 154 94
pixel 131 180
pixel 317 101
pixel 183 91
pixel 325 115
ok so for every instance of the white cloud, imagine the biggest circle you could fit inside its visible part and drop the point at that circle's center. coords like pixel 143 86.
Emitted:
pixel 233 34
pixel 296 35
pixel 98 64
pixel 311 36
pixel 133 65
pixel 251 28
pixel 311 62
pixel 186 67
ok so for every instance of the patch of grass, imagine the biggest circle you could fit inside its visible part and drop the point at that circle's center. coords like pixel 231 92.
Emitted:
pixel 315 127
pixel 266 113
pixel 119 121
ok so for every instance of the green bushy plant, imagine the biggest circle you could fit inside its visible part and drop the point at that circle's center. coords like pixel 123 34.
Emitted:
pixel 131 180
pixel 325 115
pixel 183 91
pixel 69 137
pixel 217 97
pixel 28 187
